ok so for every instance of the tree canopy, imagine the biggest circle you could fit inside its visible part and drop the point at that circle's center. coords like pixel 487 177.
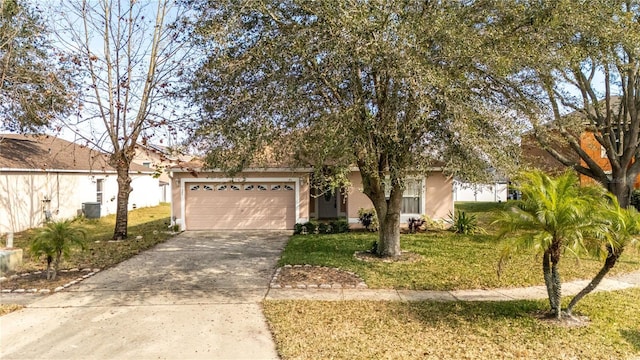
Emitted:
pixel 392 87
pixel 582 65
pixel 34 88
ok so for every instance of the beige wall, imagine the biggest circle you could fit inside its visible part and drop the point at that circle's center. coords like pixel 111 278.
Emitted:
pixel 24 196
pixel 437 195
pixel 303 178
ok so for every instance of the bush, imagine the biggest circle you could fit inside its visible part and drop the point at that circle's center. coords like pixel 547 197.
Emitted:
pixel 313 227
pixel 340 226
pixel 461 223
pixel 369 219
pixel 433 225
pixel 415 224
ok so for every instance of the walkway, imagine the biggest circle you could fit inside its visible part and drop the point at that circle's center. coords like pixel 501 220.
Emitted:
pixel 625 281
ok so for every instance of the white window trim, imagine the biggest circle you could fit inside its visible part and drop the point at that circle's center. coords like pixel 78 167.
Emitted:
pixel 185 181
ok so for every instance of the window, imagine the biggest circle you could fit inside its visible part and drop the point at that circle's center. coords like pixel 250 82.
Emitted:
pixel 288 187
pixel 603 152
pixel 207 188
pixel 234 187
pixel 262 187
pixel 411 197
pixel 275 187
pixel 194 187
pixel 99 186
pixel 248 187
pixel 222 187
pixel 147 164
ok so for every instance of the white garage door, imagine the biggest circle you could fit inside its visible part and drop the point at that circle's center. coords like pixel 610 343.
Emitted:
pixel 240 206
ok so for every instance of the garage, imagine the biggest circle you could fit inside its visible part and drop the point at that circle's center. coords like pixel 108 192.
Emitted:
pixel 240 206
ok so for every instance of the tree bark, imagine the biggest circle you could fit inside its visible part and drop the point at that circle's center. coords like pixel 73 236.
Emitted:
pixel 389 235
pixel 548 280
pixel 609 263
pixel 557 289
pixel 619 186
pixel 121 163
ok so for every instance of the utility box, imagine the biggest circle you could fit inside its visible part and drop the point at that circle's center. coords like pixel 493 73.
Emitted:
pixel 91 210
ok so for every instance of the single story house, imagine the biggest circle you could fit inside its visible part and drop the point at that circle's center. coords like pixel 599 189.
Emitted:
pixel 159 159
pixel 492 192
pixel 45 177
pixel 277 198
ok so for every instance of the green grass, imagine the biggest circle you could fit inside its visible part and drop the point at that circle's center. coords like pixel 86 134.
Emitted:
pixel 449 261
pixel 151 223
pixel 454 330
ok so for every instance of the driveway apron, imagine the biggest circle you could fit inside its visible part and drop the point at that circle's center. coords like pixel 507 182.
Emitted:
pixel 196 296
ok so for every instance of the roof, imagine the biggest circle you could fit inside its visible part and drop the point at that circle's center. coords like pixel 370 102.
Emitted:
pixel 534 155
pixel 50 153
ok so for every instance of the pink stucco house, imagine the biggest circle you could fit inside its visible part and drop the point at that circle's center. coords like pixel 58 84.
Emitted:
pixel 277 198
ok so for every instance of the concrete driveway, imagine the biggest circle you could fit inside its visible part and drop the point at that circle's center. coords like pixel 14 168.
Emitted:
pixel 197 296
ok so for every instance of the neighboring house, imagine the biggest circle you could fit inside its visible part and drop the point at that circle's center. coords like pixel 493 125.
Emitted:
pixel 495 192
pixel 277 198
pixel 46 177
pixel 159 159
pixel 597 152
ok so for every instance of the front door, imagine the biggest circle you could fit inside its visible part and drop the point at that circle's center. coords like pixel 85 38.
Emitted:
pixel 328 205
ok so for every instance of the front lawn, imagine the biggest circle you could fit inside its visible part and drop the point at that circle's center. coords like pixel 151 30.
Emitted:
pixel 147 227
pixel 454 330
pixel 448 261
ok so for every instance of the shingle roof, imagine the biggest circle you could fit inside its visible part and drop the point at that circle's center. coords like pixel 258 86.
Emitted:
pixel 46 152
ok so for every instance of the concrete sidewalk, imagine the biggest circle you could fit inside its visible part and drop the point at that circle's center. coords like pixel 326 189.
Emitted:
pixel 528 293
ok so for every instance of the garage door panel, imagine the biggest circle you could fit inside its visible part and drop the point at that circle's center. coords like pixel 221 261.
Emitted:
pixel 216 206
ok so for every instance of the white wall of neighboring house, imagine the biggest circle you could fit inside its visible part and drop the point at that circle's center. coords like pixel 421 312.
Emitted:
pixel 25 197
pixel 495 192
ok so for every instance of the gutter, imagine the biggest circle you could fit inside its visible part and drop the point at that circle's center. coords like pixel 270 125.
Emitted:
pixel 72 171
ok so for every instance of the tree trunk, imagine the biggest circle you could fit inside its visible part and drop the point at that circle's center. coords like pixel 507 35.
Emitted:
pixel 122 210
pixel 389 235
pixel 619 186
pixel 548 280
pixel 56 265
pixel 611 260
pixel 49 261
pixel 557 289
pixel 121 161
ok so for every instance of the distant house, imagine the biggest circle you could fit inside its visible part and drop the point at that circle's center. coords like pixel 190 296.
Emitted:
pixel 497 191
pixel 46 177
pixel 278 197
pixel 159 159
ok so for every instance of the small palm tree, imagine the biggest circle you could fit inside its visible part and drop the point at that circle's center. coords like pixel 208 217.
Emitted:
pixel 622 227
pixel 554 215
pixel 56 240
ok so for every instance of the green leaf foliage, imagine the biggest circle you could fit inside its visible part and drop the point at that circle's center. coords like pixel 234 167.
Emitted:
pixel 55 240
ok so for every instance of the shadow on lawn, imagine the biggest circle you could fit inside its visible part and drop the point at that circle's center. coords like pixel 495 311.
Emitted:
pixel 469 312
pixel 632 336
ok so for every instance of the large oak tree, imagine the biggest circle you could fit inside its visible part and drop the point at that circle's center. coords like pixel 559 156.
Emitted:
pixel 392 87
pixel 583 62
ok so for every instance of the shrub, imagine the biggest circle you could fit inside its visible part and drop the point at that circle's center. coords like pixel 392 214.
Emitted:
pixel 324 228
pixel 433 225
pixel 461 223
pixel 369 219
pixel 415 224
pixel 311 227
pixel 340 226
pixel 297 228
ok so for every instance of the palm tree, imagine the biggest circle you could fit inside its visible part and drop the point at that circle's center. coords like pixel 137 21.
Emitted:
pixel 55 240
pixel 554 215
pixel 622 225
